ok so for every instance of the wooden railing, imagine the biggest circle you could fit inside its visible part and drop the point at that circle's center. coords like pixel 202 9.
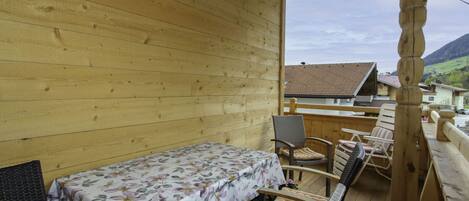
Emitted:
pixel 448 148
pixel 328 126
pixel 293 105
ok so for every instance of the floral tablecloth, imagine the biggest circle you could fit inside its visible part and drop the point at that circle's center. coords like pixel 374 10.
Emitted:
pixel 205 172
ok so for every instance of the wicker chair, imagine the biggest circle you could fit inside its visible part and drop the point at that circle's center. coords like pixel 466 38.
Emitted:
pixel 290 141
pixel 353 165
pixel 22 182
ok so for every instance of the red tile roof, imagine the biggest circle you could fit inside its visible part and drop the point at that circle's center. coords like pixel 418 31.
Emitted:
pixel 326 80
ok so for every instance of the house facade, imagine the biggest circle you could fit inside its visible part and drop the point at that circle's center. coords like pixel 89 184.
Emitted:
pixel 448 95
pixel 433 93
pixel 387 87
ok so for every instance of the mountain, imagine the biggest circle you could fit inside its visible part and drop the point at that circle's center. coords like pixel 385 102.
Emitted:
pixel 452 50
pixel 449 64
pixel 452 56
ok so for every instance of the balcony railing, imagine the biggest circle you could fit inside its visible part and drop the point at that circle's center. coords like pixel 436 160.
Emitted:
pixel 444 148
pixel 328 126
pixel 448 155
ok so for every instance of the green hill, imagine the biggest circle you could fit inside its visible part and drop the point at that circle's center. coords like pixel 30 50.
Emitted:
pixel 458 77
pixel 448 66
pixel 452 50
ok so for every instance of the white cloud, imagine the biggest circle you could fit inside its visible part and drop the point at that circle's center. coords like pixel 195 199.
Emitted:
pixel 355 30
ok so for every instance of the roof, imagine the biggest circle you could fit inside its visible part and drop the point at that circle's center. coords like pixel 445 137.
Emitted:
pixel 453 88
pixel 341 80
pixel 391 80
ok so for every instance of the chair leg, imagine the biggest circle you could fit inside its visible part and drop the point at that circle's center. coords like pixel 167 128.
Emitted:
pixel 365 163
pixel 291 175
pixel 328 187
pixel 301 175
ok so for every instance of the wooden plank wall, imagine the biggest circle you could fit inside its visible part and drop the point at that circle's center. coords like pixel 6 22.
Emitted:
pixel 85 83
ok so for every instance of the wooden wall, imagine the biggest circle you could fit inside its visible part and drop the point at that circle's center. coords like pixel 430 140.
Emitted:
pixel 89 83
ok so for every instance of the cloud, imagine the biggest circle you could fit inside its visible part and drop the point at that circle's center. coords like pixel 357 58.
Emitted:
pixel 355 30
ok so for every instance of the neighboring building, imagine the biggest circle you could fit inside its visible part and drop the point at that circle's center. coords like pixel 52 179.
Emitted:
pixel 466 98
pixel 388 85
pixel 448 95
pixel 338 84
pixel 433 93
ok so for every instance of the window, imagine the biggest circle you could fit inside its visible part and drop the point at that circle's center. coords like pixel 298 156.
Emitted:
pixel 431 98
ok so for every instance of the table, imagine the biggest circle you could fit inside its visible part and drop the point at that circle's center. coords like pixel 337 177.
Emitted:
pixel 209 171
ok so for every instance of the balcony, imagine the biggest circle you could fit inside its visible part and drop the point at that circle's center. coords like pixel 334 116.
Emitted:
pixel 90 84
pixel 444 154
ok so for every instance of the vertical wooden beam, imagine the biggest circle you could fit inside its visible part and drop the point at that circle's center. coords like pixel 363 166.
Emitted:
pixel 445 116
pixel 432 108
pixel 293 106
pixel 406 160
pixel 431 188
pixel 281 84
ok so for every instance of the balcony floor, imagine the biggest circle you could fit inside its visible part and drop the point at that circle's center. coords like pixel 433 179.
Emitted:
pixel 370 186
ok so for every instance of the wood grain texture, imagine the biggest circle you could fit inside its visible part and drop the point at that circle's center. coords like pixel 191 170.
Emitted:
pixel 449 164
pixel 281 82
pixel 88 83
pixel 369 110
pixel 370 186
pixel 408 129
pixel 329 127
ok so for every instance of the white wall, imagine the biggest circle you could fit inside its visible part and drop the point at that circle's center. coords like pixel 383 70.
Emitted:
pixel 426 98
pixel 443 96
pixel 459 102
pixel 327 101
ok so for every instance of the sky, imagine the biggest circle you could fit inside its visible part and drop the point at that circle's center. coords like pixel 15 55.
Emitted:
pixel 333 31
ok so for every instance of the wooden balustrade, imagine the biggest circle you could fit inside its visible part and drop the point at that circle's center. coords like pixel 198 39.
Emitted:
pixel 328 126
pixel 448 148
pixel 294 105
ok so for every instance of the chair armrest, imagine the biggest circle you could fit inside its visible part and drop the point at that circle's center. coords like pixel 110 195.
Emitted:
pixel 291 148
pixel 288 144
pixel 377 139
pixel 328 143
pixel 355 132
pixel 329 150
pixel 284 194
pixel 310 170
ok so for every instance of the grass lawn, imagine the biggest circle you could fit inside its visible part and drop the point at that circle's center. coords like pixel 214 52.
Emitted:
pixel 466 107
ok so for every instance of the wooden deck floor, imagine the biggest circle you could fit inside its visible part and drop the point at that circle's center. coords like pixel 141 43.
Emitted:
pixel 370 187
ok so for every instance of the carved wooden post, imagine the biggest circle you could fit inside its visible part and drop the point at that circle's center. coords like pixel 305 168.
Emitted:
pixel 431 109
pixel 445 116
pixel 409 97
pixel 292 105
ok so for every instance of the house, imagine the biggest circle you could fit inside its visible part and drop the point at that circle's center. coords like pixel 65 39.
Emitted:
pixel 388 85
pixel 332 84
pixel 466 98
pixel 448 95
